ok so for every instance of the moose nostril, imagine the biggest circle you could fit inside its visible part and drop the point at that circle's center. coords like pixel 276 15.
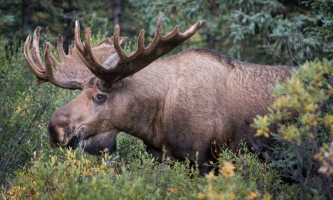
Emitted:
pixel 51 128
pixel 53 135
pixel 58 127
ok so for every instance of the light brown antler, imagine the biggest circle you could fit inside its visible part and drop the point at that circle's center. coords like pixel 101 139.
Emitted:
pixel 72 71
pixel 118 66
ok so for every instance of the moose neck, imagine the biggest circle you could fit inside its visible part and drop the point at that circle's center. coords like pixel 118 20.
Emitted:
pixel 139 107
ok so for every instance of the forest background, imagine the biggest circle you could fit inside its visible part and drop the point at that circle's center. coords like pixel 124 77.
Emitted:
pixel 296 33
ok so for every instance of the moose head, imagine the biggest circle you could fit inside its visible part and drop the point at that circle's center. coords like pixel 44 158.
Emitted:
pixel 97 71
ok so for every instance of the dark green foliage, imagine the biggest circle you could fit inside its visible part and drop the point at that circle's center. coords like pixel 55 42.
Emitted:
pixel 261 31
pixel 324 10
pixel 322 31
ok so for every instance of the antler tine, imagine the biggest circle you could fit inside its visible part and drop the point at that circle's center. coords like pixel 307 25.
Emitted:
pixel 43 73
pixel 40 73
pixel 172 34
pixel 141 37
pixel 121 53
pixel 35 48
pixel 95 66
pixel 29 60
pixel 157 36
pixel 77 38
pixel 189 32
pixel 119 50
pixel 48 63
pixel 60 48
pixel 141 41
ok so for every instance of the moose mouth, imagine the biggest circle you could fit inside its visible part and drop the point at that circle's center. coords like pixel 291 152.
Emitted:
pixel 73 143
pixel 75 140
pixel 80 134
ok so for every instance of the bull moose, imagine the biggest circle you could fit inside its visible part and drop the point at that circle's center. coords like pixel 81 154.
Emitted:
pixel 186 106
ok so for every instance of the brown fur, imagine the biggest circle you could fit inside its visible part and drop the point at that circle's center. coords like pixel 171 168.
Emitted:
pixel 183 104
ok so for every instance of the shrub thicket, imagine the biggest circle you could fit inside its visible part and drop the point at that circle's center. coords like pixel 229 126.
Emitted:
pixel 74 175
pixel 305 152
pixel 25 110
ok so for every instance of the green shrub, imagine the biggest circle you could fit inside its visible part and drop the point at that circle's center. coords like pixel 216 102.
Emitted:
pixel 244 176
pixel 305 153
pixel 25 111
pixel 65 174
pixel 71 175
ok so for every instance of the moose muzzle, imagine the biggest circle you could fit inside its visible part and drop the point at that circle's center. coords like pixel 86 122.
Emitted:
pixel 61 132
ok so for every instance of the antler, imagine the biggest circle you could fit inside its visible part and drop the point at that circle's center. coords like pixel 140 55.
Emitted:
pixel 118 66
pixel 72 71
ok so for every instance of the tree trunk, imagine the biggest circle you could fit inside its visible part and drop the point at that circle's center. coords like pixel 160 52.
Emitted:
pixel 26 16
pixel 116 7
pixel 68 34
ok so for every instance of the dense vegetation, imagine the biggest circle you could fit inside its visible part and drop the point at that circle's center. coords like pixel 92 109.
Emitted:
pixel 261 31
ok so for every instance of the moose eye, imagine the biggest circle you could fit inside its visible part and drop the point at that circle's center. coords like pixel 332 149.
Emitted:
pixel 100 98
